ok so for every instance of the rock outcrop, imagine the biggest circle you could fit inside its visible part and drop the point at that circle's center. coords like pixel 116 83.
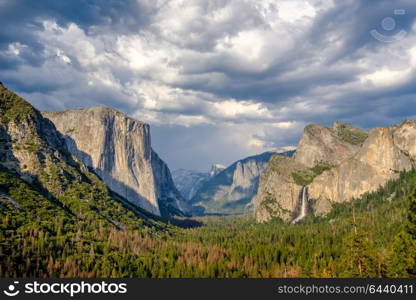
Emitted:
pixel 170 200
pixel 330 145
pixel 405 137
pixel 232 190
pixel 379 160
pixel 118 149
pixel 337 165
pixel 278 192
pixel 216 169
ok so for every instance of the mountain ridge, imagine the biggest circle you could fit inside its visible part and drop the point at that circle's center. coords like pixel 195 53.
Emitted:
pixel 233 188
pixel 189 182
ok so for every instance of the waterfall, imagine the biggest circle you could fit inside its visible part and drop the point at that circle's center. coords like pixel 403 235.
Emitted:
pixel 304 205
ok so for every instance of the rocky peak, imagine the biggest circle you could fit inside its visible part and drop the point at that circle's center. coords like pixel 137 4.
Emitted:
pixel 330 145
pixel 215 169
pixel 405 137
pixel 378 161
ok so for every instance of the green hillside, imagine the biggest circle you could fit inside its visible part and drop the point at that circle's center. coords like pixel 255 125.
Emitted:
pixel 39 238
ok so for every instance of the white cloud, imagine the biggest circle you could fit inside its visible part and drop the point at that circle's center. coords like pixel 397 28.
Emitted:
pixel 256 70
pixel 292 11
pixel 386 77
pixel 242 109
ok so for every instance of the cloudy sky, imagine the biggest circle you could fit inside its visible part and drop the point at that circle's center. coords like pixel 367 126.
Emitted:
pixel 217 80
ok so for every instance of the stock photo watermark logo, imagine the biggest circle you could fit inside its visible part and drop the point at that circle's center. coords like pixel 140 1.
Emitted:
pixel 389 25
pixel 70 289
pixel 12 290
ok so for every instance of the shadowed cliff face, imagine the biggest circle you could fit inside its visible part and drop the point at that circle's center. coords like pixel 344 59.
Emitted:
pixel 118 149
pixel 32 150
pixel 355 162
pixel 169 199
pixel 31 146
pixel 189 182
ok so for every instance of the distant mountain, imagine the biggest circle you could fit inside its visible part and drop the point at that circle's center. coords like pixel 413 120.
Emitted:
pixel 231 190
pixel 189 182
pixel 216 169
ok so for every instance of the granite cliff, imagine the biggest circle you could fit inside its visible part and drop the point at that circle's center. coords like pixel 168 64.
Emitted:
pixel 337 165
pixel 118 149
pixel 330 145
pixel 35 157
pixel 379 160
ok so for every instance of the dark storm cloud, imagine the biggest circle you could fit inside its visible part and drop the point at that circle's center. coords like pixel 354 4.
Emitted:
pixel 123 16
pixel 349 22
pixel 19 19
pixel 352 22
pixel 217 79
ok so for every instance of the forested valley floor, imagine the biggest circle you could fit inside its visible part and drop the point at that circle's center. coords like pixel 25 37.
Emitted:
pixel 373 237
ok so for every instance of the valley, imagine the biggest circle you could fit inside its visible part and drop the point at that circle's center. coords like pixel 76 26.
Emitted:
pixel 368 233
pixel 83 194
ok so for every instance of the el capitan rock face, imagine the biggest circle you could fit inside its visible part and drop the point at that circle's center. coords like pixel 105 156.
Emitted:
pixel 337 165
pixel 118 149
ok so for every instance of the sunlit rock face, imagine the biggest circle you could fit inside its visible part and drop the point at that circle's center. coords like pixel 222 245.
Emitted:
pixel 118 149
pixel 378 161
pixel 332 145
pixel 356 162
pixel 278 192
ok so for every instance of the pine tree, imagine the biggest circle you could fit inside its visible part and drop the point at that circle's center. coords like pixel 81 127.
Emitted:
pixel 403 260
pixel 359 259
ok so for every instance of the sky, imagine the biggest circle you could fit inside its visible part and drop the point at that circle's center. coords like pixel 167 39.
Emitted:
pixel 217 80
